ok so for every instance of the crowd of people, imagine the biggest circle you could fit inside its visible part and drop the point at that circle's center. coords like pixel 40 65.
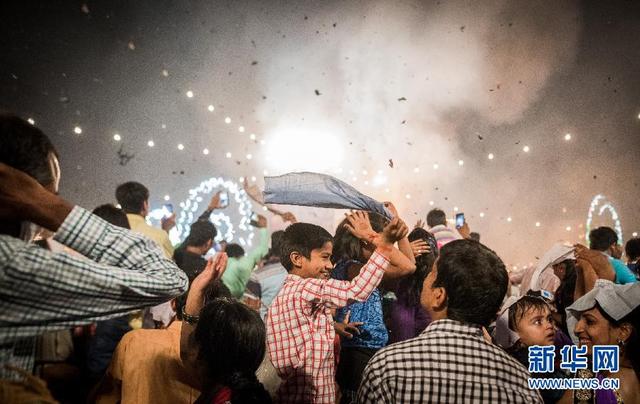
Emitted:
pixel 101 307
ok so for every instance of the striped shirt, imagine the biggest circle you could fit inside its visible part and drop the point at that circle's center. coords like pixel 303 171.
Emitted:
pixel 300 332
pixel 444 235
pixel 44 291
pixel 450 362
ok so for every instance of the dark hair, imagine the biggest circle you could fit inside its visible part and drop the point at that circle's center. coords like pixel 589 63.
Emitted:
pixel 435 217
pixel 302 238
pixel 564 294
pixel 346 246
pixel 475 280
pixel 424 264
pixel 131 196
pixel 632 249
pixel 112 215
pixel 215 289
pixel 231 341
pixel 602 238
pixel 26 148
pixel 200 232
pixel 632 345
pixel 234 250
pixel 475 236
pixel 524 305
pixel 276 243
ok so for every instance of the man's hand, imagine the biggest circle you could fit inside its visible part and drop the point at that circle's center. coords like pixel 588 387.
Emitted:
pixel 168 223
pixel 251 302
pixel 391 208
pixel 347 329
pixel 595 259
pixel 261 223
pixel 420 247
pixel 214 203
pixel 23 198
pixel 214 270
pixel 289 217
pixel 358 224
pixel 394 231
pixel 464 230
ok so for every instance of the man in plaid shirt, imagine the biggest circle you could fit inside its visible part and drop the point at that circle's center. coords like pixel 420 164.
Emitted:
pixel 41 290
pixel 300 333
pixel 451 362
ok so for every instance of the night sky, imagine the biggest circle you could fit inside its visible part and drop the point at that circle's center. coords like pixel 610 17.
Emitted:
pixel 433 89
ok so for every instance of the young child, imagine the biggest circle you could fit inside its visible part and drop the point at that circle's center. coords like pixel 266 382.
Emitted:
pixel 530 322
pixel 300 330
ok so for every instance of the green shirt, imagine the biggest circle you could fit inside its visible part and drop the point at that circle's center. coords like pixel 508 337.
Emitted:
pixel 239 270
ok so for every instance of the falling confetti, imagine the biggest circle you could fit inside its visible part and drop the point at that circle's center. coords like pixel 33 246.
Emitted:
pixel 84 8
pixel 402 99
pixel 317 92
pixel 391 163
pixel 123 156
pixel 131 45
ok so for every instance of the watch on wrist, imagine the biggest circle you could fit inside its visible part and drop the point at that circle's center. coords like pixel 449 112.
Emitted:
pixel 188 318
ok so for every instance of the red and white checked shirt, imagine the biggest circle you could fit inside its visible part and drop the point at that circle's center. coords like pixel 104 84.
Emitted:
pixel 300 330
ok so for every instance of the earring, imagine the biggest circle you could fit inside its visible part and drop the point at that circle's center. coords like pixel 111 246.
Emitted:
pixel 621 343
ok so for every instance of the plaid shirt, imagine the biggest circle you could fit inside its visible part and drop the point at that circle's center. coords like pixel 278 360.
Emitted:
pixel 300 330
pixel 44 291
pixel 450 362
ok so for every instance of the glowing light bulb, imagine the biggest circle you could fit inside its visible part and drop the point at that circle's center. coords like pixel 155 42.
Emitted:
pixel 241 179
pixel 408 196
pixel 567 137
pixel 364 172
pixel 436 166
pixel 526 149
pixel 164 126
pixel 263 142
pixel 431 203
pixel 166 197
pixel 31 121
pixel 117 137
pixel 241 129
pixel 249 156
pixel 253 179
pixel 386 190
pixel 635 233
pixel 252 136
pixel 265 172
pixel 416 170
pixel 228 155
pixel 151 143
pixel 537 224
pixel 490 156
pixel 460 162
pixel 509 219
pixel 481 214
pixel 205 151
pixel 180 146
pixel 568 228
pixel 189 94
pixel 77 130
pixel 165 73
pixel 455 208
pixel 211 108
pixel 227 120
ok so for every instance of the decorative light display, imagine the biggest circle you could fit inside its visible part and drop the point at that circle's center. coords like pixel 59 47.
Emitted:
pixel 239 231
pixel 599 204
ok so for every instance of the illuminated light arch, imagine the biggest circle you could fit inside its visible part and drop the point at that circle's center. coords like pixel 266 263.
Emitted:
pixel 599 205
pixel 241 232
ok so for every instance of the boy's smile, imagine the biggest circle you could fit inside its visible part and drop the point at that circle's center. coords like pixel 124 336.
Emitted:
pixel 319 265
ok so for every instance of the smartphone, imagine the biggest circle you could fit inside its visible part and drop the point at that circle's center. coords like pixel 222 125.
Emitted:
pixel 459 220
pixel 224 199
pixel 168 207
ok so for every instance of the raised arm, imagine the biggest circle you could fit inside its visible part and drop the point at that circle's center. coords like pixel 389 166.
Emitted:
pixel 336 293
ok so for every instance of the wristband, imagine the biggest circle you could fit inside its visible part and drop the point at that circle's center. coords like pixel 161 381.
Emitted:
pixel 188 318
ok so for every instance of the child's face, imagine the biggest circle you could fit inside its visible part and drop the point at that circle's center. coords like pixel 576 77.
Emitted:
pixel 319 266
pixel 536 327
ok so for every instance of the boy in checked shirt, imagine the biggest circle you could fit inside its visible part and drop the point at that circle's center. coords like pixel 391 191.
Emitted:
pixel 300 330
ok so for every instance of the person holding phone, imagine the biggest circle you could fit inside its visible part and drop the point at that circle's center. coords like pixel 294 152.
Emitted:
pixel 437 222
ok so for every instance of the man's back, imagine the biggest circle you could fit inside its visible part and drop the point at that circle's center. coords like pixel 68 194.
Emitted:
pixel 139 225
pixel 449 362
pixel 444 235
pixel 146 368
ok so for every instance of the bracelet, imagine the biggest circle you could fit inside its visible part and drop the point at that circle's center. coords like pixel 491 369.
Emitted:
pixel 188 318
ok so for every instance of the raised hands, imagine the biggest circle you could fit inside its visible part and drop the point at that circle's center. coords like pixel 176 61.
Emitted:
pixel 214 203
pixel 419 247
pixel 396 230
pixel 345 328
pixel 358 224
